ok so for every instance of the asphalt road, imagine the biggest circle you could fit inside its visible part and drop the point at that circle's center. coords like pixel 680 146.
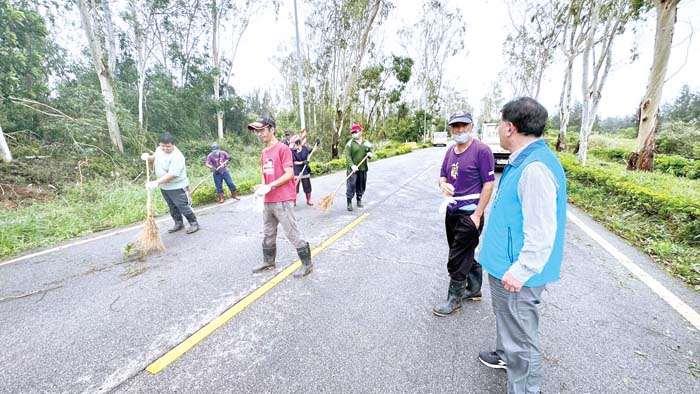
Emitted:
pixel 80 319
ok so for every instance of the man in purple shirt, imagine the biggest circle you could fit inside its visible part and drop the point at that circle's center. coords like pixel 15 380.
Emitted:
pixel 217 161
pixel 466 182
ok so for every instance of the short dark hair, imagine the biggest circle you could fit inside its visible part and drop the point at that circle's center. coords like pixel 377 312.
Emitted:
pixel 166 138
pixel 528 116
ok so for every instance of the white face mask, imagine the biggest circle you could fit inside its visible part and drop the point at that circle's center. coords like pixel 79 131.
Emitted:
pixel 356 136
pixel 462 138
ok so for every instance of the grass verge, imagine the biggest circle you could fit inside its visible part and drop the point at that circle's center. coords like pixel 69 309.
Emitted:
pixel 659 213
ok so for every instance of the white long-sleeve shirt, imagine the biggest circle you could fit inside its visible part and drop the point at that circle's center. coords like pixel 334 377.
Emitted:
pixel 537 189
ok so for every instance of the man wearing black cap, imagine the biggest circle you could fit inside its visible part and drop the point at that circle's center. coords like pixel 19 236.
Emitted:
pixel 466 181
pixel 279 191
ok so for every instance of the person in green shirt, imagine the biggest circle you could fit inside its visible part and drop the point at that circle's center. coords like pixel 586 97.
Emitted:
pixel 355 151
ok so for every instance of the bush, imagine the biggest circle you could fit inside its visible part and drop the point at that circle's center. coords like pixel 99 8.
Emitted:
pixel 612 154
pixel 681 139
pixel 681 211
pixel 671 164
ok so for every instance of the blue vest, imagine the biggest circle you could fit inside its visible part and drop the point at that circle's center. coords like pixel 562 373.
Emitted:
pixel 503 236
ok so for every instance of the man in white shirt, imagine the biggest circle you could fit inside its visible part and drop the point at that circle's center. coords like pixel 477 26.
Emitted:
pixel 523 243
pixel 171 173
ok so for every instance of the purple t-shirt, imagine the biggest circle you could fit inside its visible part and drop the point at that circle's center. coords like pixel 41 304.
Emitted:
pixel 467 172
pixel 217 158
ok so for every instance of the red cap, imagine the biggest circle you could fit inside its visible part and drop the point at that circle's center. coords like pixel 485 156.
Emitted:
pixel 355 127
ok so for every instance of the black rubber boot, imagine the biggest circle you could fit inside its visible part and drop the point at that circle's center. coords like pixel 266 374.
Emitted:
pixel 349 204
pixel 359 202
pixel 194 226
pixel 454 299
pixel 472 291
pixel 306 265
pixel 269 254
pixel 177 227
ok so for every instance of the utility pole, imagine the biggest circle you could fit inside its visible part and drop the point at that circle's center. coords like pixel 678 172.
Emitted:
pixel 300 74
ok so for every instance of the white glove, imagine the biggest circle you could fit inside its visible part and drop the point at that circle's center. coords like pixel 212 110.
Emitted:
pixel 262 190
pixel 145 156
pixel 370 154
pixel 353 168
pixel 151 185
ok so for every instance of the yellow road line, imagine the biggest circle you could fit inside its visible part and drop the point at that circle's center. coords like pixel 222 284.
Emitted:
pixel 175 353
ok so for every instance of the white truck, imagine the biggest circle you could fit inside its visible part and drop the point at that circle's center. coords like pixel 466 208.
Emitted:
pixel 439 138
pixel 489 136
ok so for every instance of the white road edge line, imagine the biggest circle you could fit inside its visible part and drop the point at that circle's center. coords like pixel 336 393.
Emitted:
pixel 101 236
pixel 676 303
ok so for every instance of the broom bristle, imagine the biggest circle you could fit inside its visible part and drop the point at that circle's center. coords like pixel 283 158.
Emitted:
pixel 149 241
pixel 326 202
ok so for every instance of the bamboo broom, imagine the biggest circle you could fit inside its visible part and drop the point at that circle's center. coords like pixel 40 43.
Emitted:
pixel 327 202
pixel 149 240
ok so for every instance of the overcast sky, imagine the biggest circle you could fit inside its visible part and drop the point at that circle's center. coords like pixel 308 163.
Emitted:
pixel 473 70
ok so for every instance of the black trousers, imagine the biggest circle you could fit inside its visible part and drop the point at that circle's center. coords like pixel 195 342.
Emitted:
pixel 356 184
pixel 306 183
pixel 179 204
pixel 462 238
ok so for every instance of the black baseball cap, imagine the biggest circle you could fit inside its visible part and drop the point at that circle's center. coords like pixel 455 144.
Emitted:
pixel 460 117
pixel 262 122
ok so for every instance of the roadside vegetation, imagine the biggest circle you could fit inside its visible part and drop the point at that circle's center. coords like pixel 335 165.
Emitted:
pixel 659 210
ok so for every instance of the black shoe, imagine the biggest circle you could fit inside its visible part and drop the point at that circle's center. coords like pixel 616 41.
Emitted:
pixel 194 227
pixel 303 271
pixel 269 255
pixel 472 291
pixel 306 265
pixel 350 204
pixel 491 360
pixel 177 227
pixel 472 296
pixel 454 299
pixel 264 267
pixel 359 203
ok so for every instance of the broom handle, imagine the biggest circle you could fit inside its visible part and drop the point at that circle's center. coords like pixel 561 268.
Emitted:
pixel 149 202
pixel 349 175
pixel 308 160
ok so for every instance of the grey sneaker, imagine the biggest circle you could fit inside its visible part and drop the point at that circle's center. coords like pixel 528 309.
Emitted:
pixel 492 360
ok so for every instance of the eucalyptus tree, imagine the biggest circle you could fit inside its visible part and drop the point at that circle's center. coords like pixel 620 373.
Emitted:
pixel 643 157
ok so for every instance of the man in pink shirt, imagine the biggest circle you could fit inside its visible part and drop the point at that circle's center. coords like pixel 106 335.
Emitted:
pixel 280 193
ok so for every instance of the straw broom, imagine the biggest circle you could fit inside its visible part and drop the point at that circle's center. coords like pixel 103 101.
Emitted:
pixel 327 202
pixel 149 241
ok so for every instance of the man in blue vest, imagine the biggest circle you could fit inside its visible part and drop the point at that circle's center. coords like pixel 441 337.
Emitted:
pixel 523 242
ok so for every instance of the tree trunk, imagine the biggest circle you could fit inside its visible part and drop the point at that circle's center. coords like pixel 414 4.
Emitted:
pixel 564 102
pixel 342 106
pixel 215 63
pixel 142 83
pixel 583 138
pixel 103 75
pixel 110 38
pixel 643 157
pixel 5 153
pixel 592 92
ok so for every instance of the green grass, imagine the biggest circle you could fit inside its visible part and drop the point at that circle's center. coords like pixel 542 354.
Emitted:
pixel 606 141
pixel 104 204
pixel 659 213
